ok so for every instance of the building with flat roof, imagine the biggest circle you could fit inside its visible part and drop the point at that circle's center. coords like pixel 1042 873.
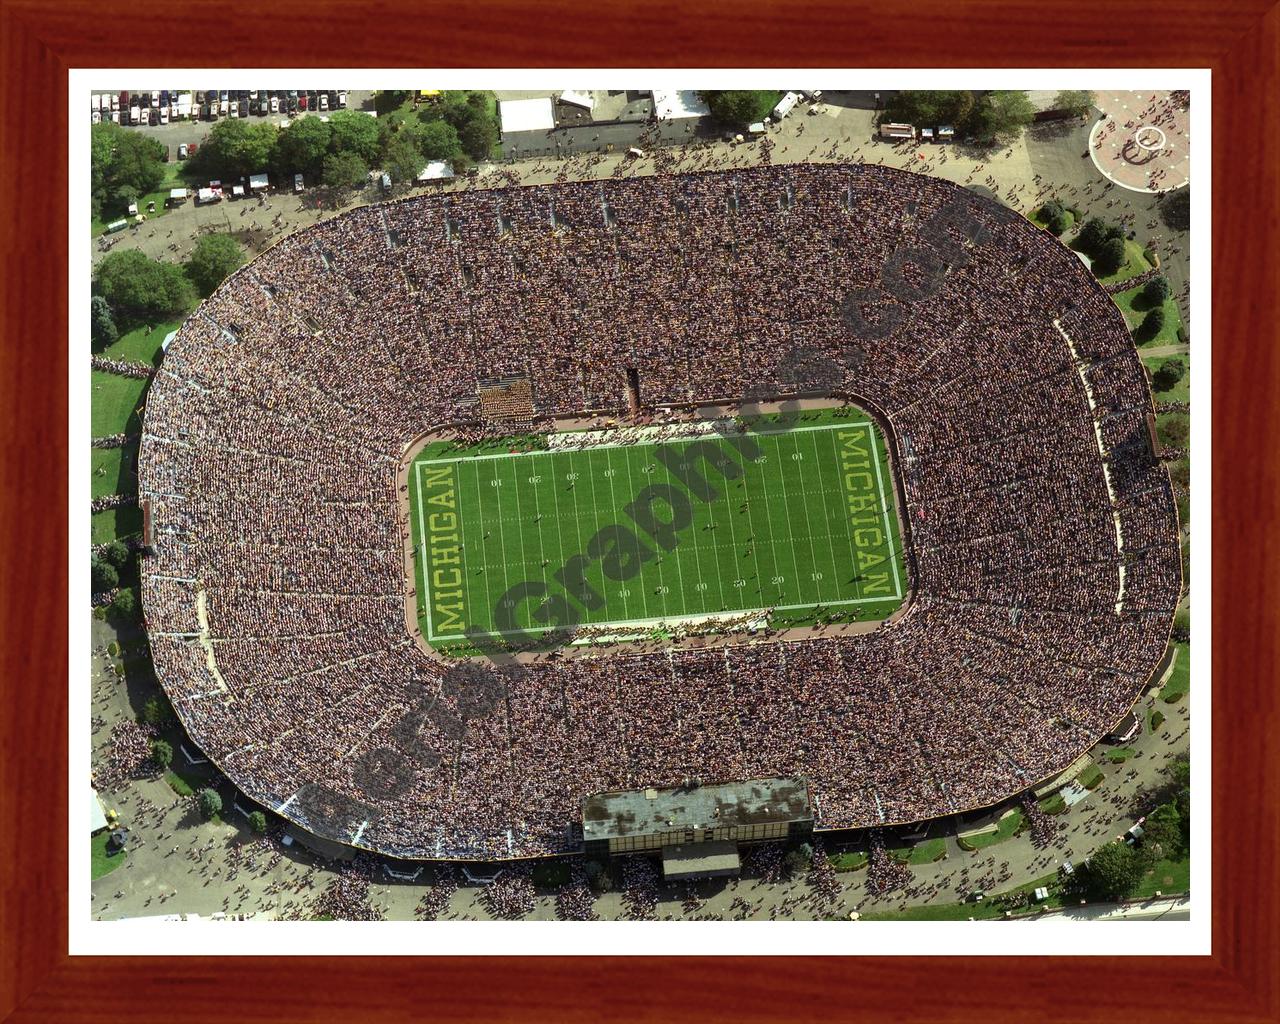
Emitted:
pixel 636 820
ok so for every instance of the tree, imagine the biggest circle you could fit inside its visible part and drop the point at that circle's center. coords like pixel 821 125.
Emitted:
pixel 209 802
pixel 1162 833
pixel 1092 234
pixel 927 107
pixel 1113 872
pixel 301 148
pixel 1175 209
pixel 101 324
pixel 403 161
pixel 739 107
pixel 1000 117
pixel 117 553
pixel 1110 257
pixel 214 257
pixel 124 604
pixel 258 821
pixel 388 100
pixel 235 148
pixel 161 753
pixel 478 137
pixel 123 165
pixel 1075 101
pixel 157 711
pixel 344 170
pixel 435 140
pixel 355 132
pixel 1152 322
pixel 1055 217
pixel 1168 375
pixel 103 575
pixel 795 862
pixel 1155 291
pixel 139 289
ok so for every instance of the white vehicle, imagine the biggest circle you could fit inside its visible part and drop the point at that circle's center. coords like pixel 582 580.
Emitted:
pixel 115 102
pixel 275 105
pixel 786 105
pixel 182 150
pixel 134 114
pixel 223 106
pixel 97 116
pixel 297 182
pixel 235 108
pixel 324 101
pixel 155 97
pixel 164 115
pixel 342 100
pixel 115 117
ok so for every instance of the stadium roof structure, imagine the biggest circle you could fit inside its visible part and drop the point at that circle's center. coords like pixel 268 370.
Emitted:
pixel 1041 531
pixel 750 802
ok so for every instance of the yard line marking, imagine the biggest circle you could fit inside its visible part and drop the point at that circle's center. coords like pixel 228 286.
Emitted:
pixel 786 508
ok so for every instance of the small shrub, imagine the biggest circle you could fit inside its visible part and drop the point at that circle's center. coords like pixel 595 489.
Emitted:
pixel 258 822
pixel 113 649
pixel 209 802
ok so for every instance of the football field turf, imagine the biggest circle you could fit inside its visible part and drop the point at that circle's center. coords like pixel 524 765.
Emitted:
pixel 805 530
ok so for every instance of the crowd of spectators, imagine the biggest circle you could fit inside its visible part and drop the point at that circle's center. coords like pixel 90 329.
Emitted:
pixel 1044 559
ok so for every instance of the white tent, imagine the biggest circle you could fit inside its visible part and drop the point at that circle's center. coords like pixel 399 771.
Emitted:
pixel 437 170
pixel 177 195
pixel 97 818
pixel 578 98
pixel 527 115
pixel 257 181
pixel 673 104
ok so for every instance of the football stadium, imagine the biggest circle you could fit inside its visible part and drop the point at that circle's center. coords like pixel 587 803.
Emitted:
pixel 470 516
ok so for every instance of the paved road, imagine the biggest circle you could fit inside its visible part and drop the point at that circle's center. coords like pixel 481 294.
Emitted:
pixel 1177 908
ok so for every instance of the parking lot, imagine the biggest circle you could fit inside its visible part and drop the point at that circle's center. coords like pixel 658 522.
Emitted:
pixel 176 132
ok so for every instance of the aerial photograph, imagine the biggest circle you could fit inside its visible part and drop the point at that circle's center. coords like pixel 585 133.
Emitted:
pixel 638 504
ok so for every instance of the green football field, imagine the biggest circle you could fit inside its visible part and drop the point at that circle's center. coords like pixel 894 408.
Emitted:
pixel 581 526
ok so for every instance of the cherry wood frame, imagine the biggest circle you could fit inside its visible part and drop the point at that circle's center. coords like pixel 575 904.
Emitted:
pixel 39 41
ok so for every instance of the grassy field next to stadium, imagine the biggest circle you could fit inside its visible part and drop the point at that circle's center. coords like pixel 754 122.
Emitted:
pixel 806 530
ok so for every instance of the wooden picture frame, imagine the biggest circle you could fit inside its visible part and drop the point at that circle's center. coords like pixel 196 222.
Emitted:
pixel 39 981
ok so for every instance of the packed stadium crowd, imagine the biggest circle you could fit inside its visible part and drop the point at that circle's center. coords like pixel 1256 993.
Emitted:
pixel 1043 561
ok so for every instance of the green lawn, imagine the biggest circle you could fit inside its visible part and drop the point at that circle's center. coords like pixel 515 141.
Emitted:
pixel 1169 428
pixel 1120 755
pixel 550 874
pixel 1180 679
pixel 1135 263
pixel 1055 803
pixel 114 470
pixel 116 523
pixel 989 909
pixel 1134 309
pixel 1155 719
pixel 1040 222
pixel 1091 777
pixel 1180 392
pixel 139 346
pixel 1009 826
pixel 179 784
pixel 101 863
pixel 115 401
pixel 848 861
pixel 1169 876
pixel 807 528
pixel 172 179
pixel 921 853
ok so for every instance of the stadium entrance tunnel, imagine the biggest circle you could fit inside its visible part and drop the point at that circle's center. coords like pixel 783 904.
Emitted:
pixel 716 524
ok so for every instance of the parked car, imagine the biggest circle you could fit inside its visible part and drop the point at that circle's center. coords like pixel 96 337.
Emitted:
pixel 164 97
pixel 115 117
pixel 182 151
pixel 124 100
pixel 155 97
pixel 115 102
pixel 97 116
pixel 342 100
pixel 302 102
pixel 223 107
pixel 191 149
pixel 235 108
pixel 134 114
pixel 275 105
pixel 324 101
pixel 297 182
pixel 293 104
pixel 164 115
